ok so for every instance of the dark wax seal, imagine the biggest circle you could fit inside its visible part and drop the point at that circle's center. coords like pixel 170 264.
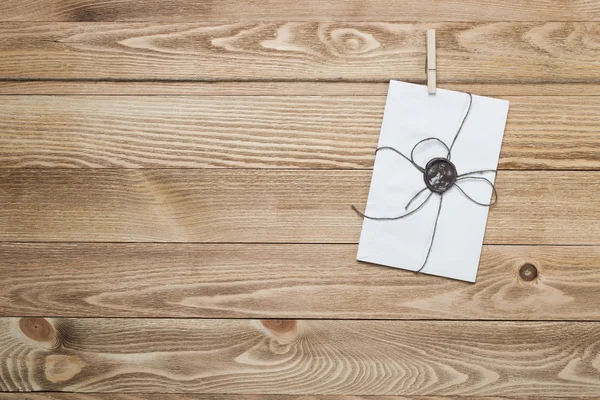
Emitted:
pixel 439 175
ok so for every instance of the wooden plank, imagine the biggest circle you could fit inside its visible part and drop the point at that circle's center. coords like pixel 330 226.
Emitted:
pixel 552 52
pixel 300 357
pixel 213 396
pixel 275 88
pixel 288 281
pixel 183 10
pixel 338 132
pixel 541 207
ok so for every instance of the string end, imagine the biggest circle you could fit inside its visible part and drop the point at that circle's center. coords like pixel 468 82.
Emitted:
pixel 360 214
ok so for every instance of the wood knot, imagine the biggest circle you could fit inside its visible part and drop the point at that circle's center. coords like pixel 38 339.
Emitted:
pixel 528 272
pixel 353 44
pixel 348 41
pixel 285 330
pixel 38 329
pixel 60 368
pixel 279 326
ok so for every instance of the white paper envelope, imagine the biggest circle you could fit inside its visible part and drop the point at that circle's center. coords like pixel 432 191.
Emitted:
pixel 411 114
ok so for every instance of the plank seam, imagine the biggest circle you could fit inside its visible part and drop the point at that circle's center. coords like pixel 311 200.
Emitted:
pixel 63 169
pixel 259 317
pixel 272 243
pixel 322 80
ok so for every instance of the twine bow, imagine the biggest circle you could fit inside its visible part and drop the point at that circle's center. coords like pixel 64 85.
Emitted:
pixel 439 176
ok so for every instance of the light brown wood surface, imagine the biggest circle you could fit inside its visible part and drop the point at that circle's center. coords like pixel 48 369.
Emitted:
pixel 547 132
pixel 507 52
pixel 212 396
pixel 175 188
pixel 275 88
pixel 288 281
pixel 436 10
pixel 300 356
pixel 274 206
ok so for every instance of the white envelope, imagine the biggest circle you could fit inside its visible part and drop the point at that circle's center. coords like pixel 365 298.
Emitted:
pixel 411 114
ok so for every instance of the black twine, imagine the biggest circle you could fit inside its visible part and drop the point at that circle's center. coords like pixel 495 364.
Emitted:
pixel 462 177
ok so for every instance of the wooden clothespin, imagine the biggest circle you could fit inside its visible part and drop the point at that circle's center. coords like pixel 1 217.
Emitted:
pixel 431 68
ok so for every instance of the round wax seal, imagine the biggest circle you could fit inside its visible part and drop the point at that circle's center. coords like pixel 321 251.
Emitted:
pixel 440 174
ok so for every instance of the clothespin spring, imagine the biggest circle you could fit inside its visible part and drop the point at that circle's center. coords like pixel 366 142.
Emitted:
pixel 430 62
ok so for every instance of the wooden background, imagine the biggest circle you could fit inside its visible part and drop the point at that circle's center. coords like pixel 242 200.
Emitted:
pixel 175 189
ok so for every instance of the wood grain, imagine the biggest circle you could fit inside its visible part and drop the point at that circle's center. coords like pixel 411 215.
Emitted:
pixel 263 132
pixel 301 357
pixel 181 10
pixel 275 88
pixel 178 167
pixel 507 52
pixel 541 207
pixel 213 396
pixel 288 281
